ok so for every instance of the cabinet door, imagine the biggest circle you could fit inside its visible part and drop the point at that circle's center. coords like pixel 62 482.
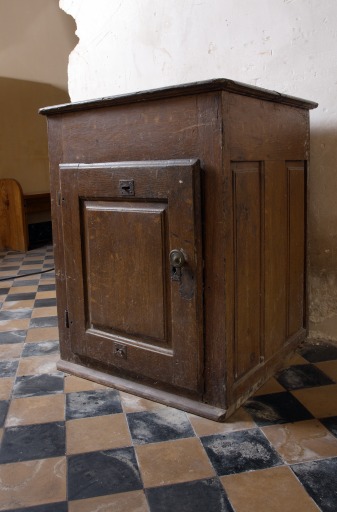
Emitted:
pixel 133 258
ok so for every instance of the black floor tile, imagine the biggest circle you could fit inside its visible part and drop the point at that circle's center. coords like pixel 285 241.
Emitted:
pixel 318 352
pixel 330 424
pixel 29 272
pixel 14 297
pixel 23 282
pixel 43 348
pixel 162 425
pixel 48 274
pixel 276 408
pixel 46 288
pixel 201 495
pixel 320 481
pixel 16 314
pixel 8 368
pixel 85 404
pixel 36 262
pixel 302 376
pixel 9 268
pixel 38 385
pixel 50 507
pixel 4 404
pixel 45 303
pixel 102 473
pixel 9 337
pixel 4 291
pixel 236 452
pixel 50 321
pixel 33 442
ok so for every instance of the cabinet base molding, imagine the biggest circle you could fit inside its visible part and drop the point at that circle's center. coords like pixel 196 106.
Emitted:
pixel 171 400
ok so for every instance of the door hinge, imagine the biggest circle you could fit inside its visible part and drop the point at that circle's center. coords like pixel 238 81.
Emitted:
pixel 66 319
pixel 59 198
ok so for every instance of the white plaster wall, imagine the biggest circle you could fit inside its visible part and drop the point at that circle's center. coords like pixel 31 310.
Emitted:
pixel 287 45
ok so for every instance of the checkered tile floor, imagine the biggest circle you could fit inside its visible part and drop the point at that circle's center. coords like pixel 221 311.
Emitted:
pixel 68 444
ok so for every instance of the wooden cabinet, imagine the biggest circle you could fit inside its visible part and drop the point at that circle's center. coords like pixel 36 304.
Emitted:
pixel 179 235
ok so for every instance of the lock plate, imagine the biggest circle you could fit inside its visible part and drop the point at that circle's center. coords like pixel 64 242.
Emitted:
pixel 120 351
pixel 177 261
pixel 127 187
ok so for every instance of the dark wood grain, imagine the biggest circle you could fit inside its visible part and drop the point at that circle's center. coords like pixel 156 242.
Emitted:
pixel 220 84
pixel 239 215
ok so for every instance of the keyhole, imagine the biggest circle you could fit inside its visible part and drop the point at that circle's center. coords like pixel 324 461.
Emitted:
pixel 127 187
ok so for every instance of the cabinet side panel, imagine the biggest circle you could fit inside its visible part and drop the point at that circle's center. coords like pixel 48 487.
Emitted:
pixel 263 130
pixel 276 256
pixel 247 246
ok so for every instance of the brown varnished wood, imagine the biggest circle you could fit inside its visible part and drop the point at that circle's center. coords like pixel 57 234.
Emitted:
pixel 296 195
pixel 247 248
pixel 253 147
pixel 219 84
pixel 36 203
pixel 13 226
pixel 122 277
pixel 273 131
pixel 115 271
pixel 276 256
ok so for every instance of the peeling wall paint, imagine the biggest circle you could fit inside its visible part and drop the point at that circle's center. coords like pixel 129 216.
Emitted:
pixel 286 45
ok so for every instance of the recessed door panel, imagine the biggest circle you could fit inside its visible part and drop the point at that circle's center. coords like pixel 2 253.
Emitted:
pixel 132 304
pixel 126 287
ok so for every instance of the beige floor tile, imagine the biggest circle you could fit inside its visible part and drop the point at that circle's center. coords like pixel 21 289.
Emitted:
pixel 271 386
pixel 295 359
pixel 36 409
pixel 74 384
pixel 11 351
pixel 42 334
pixel 20 324
pixel 172 462
pixel 33 267
pixel 50 280
pixel 23 289
pixel 97 433
pixel 4 285
pixel 35 482
pixel 19 304
pixel 44 312
pixel 330 368
pixel 302 441
pixel 51 294
pixel 268 490
pixel 38 365
pixel 240 420
pixel 134 501
pixel 133 403
pixel 320 401
pixel 6 386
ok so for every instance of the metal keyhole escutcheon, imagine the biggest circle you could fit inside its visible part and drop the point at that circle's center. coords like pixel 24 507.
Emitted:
pixel 177 260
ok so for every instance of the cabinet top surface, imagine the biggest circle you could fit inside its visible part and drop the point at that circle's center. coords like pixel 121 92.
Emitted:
pixel 219 84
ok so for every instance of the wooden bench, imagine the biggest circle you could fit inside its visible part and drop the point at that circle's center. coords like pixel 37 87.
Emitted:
pixel 15 209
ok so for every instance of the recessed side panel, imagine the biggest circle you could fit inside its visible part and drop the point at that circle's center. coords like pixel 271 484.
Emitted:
pixel 247 247
pixel 276 256
pixel 124 261
pixel 296 186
